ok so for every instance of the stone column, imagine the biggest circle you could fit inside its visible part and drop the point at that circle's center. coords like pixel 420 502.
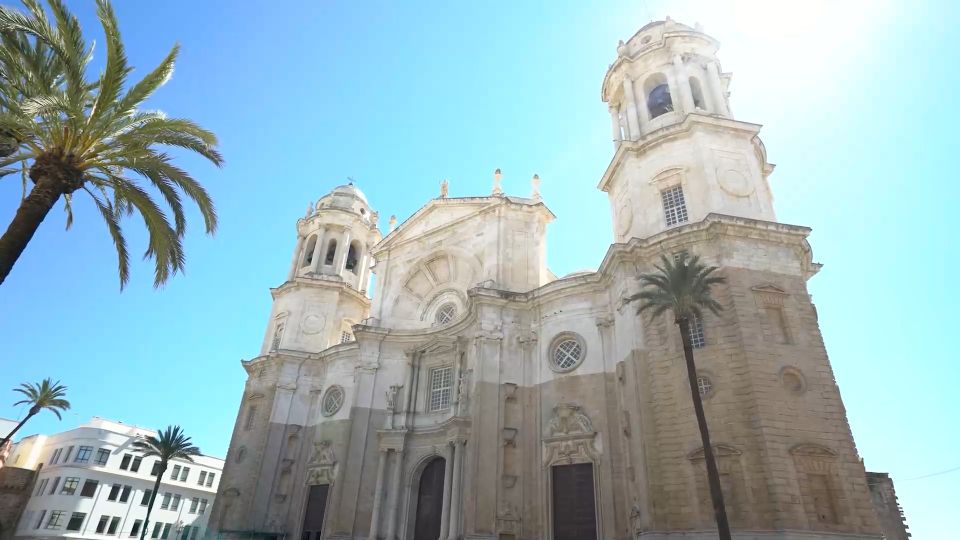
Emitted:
pixel 716 89
pixel 641 99
pixel 447 477
pixel 318 250
pixel 364 270
pixel 615 127
pixel 683 81
pixel 296 258
pixel 455 506
pixel 394 501
pixel 632 119
pixel 377 495
pixel 343 246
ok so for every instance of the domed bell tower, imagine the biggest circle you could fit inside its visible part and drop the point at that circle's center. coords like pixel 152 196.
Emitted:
pixel 325 291
pixel 680 154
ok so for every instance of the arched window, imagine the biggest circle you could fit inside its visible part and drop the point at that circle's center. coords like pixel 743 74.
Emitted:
pixel 352 255
pixel 308 251
pixel 697 93
pixel 659 101
pixel 331 252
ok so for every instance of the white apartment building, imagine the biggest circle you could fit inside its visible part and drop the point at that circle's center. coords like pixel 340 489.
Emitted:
pixel 92 484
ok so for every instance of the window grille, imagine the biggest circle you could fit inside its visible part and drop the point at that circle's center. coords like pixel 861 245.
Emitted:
pixel 567 354
pixel 446 314
pixel 674 206
pixel 346 337
pixel 704 385
pixel 441 387
pixel 332 401
pixel 697 338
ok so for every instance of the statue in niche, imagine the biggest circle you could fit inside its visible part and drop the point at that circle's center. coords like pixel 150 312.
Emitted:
pixel 392 396
pixel 463 395
pixel 635 519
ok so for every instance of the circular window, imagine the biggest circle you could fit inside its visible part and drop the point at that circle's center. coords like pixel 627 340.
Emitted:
pixel 332 401
pixel 793 380
pixel 446 313
pixel 567 352
pixel 704 385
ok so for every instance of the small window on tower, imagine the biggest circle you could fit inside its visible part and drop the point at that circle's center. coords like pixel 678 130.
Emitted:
pixel 697 94
pixel 331 252
pixel 346 337
pixel 308 251
pixel 352 255
pixel 446 314
pixel 674 205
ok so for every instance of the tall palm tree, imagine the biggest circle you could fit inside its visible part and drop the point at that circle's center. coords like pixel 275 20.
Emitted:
pixel 170 443
pixel 682 287
pixel 46 395
pixel 92 136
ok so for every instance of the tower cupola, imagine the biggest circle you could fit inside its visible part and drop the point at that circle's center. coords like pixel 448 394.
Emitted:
pixel 335 236
pixel 679 155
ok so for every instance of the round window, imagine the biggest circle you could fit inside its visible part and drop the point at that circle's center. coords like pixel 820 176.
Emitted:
pixel 704 385
pixel 446 314
pixel 567 353
pixel 332 400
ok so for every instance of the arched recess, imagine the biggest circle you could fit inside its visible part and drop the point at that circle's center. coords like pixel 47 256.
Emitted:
pixel 331 252
pixel 412 488
pixel 819 484
pixel 442 275
pixel 657 94
pixel 736 497
pixel 308 252
pixel 696 91
pixel 353 257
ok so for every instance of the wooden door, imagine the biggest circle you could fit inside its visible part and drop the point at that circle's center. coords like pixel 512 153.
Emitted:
pixel 574 505
pixel 430 501
pixel 316 507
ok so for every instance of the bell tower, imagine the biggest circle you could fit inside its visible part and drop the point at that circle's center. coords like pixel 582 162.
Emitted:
pixel 678 148
pixel 325 291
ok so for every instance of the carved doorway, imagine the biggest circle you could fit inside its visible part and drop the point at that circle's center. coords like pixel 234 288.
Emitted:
pixel 574 505
pixel 430 501
pixel 316 508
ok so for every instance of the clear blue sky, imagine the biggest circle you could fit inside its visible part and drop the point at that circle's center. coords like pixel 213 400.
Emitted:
pixel 858 101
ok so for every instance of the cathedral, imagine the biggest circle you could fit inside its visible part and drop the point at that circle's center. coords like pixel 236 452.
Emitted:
pixel 473 394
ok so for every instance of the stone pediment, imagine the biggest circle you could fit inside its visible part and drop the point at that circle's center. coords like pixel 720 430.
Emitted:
pixel 768 288
pixel 436 215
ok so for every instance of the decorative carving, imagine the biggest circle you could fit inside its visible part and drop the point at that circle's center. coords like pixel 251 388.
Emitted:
pixel 490 330
pixel 604 321
pixel 444 188
pixel 509 391
pixel 509 480
pixel 323 464
pixel 527 337
pixel 568 419
pixel 464 387
pixel 508 520
pixel 635 515
pixel 569 437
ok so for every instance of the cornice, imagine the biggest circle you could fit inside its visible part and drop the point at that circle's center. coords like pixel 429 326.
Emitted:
pixel 691 122
pixel 323 282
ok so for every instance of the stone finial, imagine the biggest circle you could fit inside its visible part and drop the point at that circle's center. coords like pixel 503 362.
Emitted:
pixel 621 48
pixel 393 223
pixel 309 209
pixel 535 187
pixel 444 188
pixel 374 218
pixel 497 190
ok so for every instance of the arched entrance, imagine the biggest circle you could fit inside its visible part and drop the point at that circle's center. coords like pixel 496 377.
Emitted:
pixel 430 501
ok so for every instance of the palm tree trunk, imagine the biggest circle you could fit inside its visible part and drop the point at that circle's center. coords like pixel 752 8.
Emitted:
pixel 153 498
pixel 26 221
pixel 713 475
pixel 9 436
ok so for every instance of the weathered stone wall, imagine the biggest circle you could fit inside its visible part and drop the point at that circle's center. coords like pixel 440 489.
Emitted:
pixel 15 487
pixel 889 512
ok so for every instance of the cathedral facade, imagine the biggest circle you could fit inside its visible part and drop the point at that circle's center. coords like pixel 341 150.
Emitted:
pixel 479 396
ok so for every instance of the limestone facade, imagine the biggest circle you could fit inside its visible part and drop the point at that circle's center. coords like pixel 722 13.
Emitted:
pixel 479 396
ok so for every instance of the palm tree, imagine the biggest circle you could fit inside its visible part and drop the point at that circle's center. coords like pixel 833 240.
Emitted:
pixel 93 137
pixel 682 287
pixel 170 443
pixel 46 395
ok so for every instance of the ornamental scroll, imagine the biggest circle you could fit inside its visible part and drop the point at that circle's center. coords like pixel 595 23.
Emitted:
pixel 569 437
pixel 322 468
